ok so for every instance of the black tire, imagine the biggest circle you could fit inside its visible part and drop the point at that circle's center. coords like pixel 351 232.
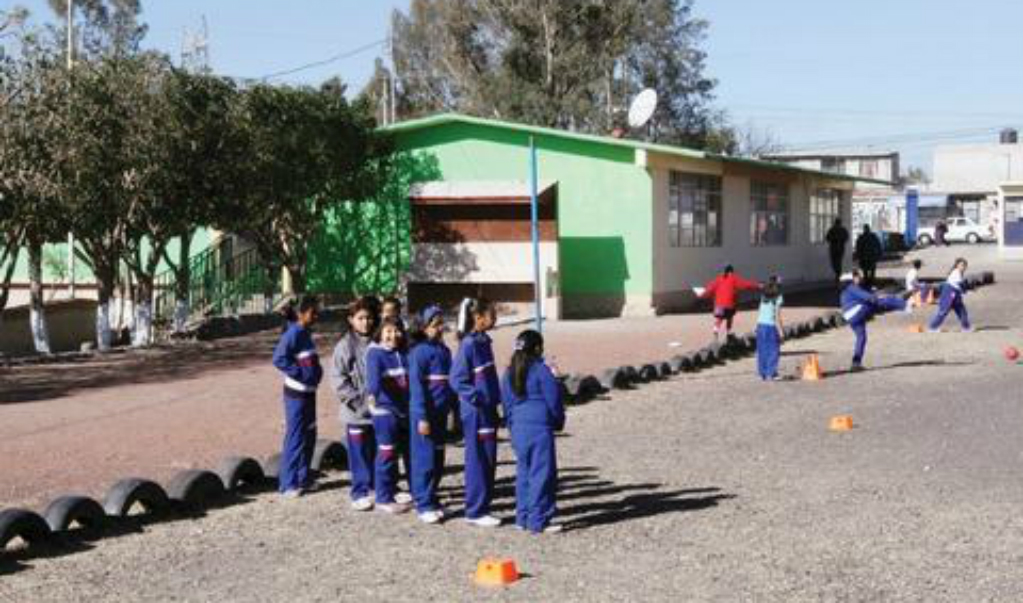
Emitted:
pixel 272 466
pixel 589 387
pixel 128 492
pixel 707 357
pixel 925 240
pixel 65 511
pixel 24 524
pixel 647 373
pixel 329 454
pixel 664 370
pixel 631 373
pixel 240 472
pixel 819 325
pixel 678 363
pixel 750 341
pixel 989 277
pixel 614 378
pixel 973 238
pixel 196 489
pixel 570 385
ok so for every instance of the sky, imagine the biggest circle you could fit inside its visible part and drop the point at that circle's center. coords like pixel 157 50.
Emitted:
pixel 900 75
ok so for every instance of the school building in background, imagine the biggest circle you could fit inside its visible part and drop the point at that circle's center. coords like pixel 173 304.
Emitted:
pixel 628 227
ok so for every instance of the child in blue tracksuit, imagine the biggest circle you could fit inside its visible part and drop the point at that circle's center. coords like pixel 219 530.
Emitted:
pixel 474 379
pixel 387 386
pixel 858 306
pixel 295 356
pixel 769 330
pixel 533 411
pixel 952 292
pixel 432 400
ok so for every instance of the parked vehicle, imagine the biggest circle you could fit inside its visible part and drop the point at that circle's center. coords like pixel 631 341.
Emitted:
pixel 960 230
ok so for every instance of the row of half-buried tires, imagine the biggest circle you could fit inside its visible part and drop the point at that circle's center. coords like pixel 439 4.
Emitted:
pixel 581 388
pixel 133 501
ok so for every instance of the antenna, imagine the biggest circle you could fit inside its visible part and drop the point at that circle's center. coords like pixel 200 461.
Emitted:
pixel 642 108
pixel 195 49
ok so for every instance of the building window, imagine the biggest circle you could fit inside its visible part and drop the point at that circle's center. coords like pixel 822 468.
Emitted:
pixel 868 168
pixel 833 164
pixel 694 210
pixel 825 206
pixel 769 214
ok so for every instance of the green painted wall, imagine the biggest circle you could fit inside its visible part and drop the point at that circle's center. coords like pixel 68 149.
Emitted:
pixel 604 199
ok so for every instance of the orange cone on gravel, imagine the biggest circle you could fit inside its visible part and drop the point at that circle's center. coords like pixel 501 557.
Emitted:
pixel 1011 354
pixel 931 297
pixel 812 369
pixel 841 423
pixel 496 572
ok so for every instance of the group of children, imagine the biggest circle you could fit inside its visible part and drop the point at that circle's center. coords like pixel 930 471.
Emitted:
pixel 859 303
pixel 397 387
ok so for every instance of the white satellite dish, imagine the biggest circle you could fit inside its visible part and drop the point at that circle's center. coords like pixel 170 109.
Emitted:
pixel 642 108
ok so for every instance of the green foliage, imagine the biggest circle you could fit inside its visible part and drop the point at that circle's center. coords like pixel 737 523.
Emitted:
pixel 571 64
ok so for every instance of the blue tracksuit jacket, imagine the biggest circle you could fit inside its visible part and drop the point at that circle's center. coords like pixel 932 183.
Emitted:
pixel 429 374
pixel 295 356
pixel 387 379
pixel 473 373
pixel 541 407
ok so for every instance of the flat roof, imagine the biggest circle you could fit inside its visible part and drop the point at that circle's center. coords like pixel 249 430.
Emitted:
pixel 677 151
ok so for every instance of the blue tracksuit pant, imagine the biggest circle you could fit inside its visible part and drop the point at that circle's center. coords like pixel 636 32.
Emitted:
pixel 480 428
pixel 536 476
pixel 859 325
pixel 768 351
pixel 951 300
pixel 362 447
pixel 860 329
pixel 428 462
pixel 392 443
pixel 299 443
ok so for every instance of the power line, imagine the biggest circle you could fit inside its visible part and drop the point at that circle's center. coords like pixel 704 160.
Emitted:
pixel 893 139
pixel 327 61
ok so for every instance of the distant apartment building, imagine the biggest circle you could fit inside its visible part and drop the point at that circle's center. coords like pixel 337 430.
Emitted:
pixel 870 200
pixel 972 175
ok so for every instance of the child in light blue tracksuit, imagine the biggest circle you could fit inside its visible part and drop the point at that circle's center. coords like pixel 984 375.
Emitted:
pixel 474 379
pixel 769 330
pixel 295 356
pixel 953 290
pixel 432 400
pixel 388 388
pixel 860 305
pixel 533 411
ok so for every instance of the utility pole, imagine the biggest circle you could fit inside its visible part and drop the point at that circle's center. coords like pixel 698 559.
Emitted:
pixel 70 64
pixel 393 75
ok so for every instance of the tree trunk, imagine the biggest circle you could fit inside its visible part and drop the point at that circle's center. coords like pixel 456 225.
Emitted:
pixel 182 284
pixel 143 334
pixel 37 314
pixel 105 289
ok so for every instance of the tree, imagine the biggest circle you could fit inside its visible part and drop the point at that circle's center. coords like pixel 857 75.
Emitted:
pixel 914 175
pixel 32 121
pixel 306 151
pixel 562 63
pixel 110 27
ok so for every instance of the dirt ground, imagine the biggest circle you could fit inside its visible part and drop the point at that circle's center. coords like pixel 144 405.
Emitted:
pixel 707 487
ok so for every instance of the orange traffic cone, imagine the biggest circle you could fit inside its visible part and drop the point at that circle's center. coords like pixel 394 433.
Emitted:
pixel 931 297
pixel 841 423
pixel 916 328
pixel 917 300
pixel 812 369
pixel 496 572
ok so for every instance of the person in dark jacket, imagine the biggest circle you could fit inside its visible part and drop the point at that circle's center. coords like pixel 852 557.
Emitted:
pixel 295 356
pixel 533 411
pixel 868 254
pixel 432 400
pixel 837 238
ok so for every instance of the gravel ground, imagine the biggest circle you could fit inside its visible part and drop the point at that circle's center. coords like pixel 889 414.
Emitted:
pixel 711 486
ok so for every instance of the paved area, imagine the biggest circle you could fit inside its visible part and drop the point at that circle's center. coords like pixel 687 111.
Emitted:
pixel 711 486
pixel 79 427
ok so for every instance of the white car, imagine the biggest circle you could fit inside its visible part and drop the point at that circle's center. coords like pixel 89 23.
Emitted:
pixel 959 230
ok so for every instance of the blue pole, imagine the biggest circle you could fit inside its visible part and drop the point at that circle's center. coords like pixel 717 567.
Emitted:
pixel 912 216
pixel 535 220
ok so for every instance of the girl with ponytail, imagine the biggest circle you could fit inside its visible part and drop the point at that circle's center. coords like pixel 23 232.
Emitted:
pixel 533 411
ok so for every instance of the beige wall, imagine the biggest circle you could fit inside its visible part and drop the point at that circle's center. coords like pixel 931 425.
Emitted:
pixel 677 269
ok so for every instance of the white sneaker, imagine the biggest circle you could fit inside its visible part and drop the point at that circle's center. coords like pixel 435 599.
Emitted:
pixel 487 521
pixel 292 494
pixel 362 504
pixel 403 498
pixel 554 528
pixel 430 517
pixel 393 508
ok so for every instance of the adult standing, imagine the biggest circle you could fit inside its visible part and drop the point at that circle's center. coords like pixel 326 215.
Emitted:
pixel 868 253
pixel 837 238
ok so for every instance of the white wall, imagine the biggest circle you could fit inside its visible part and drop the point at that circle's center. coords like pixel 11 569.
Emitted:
pixel 677 269
pixel 976 168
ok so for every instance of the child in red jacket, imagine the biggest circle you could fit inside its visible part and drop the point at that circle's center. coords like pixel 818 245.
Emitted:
pixel 725 289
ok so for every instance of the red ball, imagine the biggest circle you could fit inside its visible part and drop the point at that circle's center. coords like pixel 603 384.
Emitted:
pixel 1012 353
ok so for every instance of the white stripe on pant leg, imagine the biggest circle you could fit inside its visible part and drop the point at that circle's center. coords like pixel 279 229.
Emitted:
pixel 386 446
